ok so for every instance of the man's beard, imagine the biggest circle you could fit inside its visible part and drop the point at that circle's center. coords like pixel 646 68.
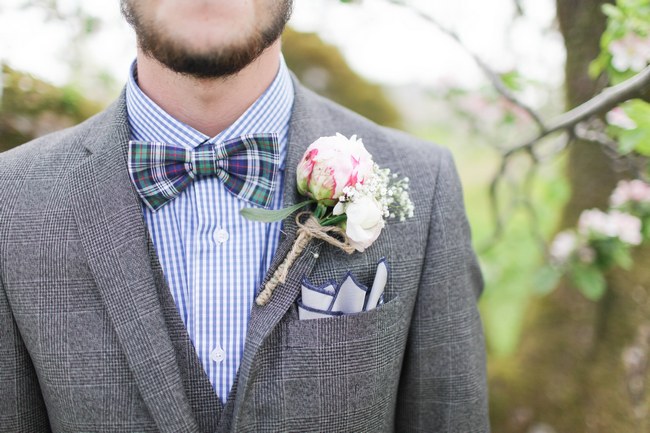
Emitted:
pixel 216 63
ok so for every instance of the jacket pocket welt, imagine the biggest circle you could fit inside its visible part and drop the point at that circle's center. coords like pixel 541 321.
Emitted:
pixel 348 327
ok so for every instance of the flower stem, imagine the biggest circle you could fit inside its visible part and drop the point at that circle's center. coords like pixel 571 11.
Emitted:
pixel 320 211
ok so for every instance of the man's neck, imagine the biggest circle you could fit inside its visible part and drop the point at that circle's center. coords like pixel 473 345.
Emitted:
pixel 207 105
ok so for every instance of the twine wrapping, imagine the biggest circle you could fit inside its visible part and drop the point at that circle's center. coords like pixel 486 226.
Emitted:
pixel 310 229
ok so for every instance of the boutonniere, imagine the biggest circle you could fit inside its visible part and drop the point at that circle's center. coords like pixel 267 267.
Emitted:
pixel 350 195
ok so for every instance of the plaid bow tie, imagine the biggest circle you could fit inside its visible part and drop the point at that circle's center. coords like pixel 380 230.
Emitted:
pixel 247 166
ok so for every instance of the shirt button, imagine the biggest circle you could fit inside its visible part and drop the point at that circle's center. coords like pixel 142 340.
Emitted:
pixel 217 355
pixel 221 236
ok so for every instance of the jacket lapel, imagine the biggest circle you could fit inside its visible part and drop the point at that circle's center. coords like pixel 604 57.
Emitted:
pixel 114 236
pixel 308 123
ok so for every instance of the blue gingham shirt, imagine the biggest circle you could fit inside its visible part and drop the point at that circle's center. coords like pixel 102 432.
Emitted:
pixel 212 258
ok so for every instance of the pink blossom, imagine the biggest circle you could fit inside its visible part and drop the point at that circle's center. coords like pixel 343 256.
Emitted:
pixel 618 117
pixel 635 191
pixel 330 164
pixel 631 52
pixel 563 246
pixel 614 224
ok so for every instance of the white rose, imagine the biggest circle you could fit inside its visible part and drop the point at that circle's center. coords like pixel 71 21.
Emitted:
pixel 364 221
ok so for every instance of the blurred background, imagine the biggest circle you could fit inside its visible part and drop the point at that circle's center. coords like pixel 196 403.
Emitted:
pixel 558 200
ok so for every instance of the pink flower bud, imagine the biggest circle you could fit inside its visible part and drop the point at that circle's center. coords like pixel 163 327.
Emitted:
pixel 330 164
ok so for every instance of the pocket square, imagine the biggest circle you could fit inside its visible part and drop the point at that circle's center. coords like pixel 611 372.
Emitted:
pixel 336 299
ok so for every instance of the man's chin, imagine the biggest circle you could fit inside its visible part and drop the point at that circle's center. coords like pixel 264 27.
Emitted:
pixel 206 65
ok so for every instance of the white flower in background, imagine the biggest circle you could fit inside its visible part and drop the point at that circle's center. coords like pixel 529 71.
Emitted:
pixel 595 220
pixel 364 220
pixel 618 117
pixel 635 191
pixel 631 52
pixel 563 246
pixel 615 224
pixel 629 227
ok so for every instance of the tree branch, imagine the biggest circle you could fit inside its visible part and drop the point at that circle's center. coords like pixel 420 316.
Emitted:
pixel 604 101
pixel 567 122
pixel 494 78
pixel 637 86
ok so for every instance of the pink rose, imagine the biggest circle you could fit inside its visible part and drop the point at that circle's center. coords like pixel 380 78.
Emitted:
pixel 330 164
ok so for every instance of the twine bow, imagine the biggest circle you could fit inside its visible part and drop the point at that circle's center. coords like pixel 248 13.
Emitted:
pixel 308 230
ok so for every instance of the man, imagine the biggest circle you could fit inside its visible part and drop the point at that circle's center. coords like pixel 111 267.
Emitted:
pixel 122 315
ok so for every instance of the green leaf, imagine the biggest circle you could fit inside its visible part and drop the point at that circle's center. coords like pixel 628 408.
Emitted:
pixel 646 228
pixel 334 220
pixel 546 279
pixel 635 139
pixel 638 110
pixel 627 140
pixel 269 216
pixel 611 11
pixel 599 64
pixel 638 138
pixel 512 80
pixel 320 211
pixel 622 257
pixel 590 281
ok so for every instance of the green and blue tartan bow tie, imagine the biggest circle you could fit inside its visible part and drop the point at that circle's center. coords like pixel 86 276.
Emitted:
pixel 247 166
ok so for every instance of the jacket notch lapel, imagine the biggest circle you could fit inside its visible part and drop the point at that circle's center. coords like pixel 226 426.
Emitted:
pixel 114 237
pixel 305 127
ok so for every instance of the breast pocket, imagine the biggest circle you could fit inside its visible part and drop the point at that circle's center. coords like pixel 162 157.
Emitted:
pixel 344 368
pixel 347 327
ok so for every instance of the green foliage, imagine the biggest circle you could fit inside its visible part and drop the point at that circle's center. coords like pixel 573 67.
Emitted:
pixel 322 68
pixel 624 18
pixel 513 80
pixel 512 266
pixel 546 280
pixel 30 107
pixel 604 240
pixel 635 139
pixel 590 281
pixel 628 27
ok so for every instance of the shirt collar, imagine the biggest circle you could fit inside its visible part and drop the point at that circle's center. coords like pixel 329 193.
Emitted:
pixel 270 113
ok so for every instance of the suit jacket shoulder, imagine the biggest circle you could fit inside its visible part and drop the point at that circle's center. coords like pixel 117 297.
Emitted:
pixel 29 168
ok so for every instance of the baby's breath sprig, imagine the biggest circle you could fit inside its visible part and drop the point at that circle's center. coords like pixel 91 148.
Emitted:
pixel 390 192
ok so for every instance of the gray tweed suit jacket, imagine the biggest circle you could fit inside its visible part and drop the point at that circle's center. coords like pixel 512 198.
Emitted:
pixel 90 338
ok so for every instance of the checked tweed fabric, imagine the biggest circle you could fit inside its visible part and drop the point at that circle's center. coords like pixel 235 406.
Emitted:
pixel 91 340
pixel 247 166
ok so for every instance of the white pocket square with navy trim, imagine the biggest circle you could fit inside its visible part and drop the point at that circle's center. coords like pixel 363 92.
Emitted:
pixel 348 296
